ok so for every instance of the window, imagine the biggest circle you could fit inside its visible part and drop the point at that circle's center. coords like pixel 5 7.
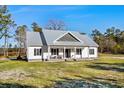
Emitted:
pixel 91 51
pixel 54 51
pixel 78 51
pixel 37 52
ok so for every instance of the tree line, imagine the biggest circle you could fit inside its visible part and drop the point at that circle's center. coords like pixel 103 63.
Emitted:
pixel 111 41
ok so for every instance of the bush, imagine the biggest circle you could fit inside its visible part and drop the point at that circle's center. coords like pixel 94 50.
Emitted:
pixel 116 49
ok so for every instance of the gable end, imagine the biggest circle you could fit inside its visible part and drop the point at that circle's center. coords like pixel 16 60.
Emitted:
pixel 68 37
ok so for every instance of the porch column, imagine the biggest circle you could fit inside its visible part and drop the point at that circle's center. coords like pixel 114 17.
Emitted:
pixel 48 52
pixel 75 52
pixel 64 53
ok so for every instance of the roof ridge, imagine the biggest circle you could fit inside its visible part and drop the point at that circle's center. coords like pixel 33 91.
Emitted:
pixel 60 30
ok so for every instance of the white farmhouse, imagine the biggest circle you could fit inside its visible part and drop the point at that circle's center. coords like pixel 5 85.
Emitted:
pixel 59 45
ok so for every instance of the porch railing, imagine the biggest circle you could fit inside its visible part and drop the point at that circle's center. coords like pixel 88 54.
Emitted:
pixel 56 57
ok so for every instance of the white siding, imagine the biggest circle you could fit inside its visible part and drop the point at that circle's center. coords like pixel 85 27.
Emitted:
pixel 46 55
pixel 95 52
pixel 30 53
pixel 61 54
pixel 72 54
pixel 85 52
pixel 78 56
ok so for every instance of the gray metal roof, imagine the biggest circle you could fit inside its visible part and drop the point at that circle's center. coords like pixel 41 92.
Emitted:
pixel 87 40
pixel 48 37
pixel 33 39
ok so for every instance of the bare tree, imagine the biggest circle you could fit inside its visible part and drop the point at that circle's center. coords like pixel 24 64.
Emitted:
pixel 56 25
pixel 21 38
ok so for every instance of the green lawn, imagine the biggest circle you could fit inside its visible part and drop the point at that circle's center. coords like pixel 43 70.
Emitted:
pixel 107 71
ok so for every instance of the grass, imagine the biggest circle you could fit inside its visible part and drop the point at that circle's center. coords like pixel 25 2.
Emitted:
pixel 106 71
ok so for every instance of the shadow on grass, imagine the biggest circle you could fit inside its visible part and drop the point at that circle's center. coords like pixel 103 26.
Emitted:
pixel 18 60
pixel 15 59
pixel 96 78
pixel 116 64
pixel 84 83
pixel 3 62
pixel 14 85
pixel 106 67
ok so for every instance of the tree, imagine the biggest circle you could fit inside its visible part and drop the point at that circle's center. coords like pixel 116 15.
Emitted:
pixel 15 46
pixel 56 25
pixel 99 39
pixel 16 49
pixel 110 38
pixel 10 45
pixel 121 36
pixel 21 37
pixel 6 23
pixel 36 27
pixel 111 41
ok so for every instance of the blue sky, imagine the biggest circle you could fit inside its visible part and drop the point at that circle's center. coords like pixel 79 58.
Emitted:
pixel 80 18
pixel 77 18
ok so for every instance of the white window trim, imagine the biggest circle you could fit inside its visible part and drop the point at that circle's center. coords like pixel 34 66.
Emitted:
pixel 93 50
pixel 78 51
pixel 55 52
pixel 38 51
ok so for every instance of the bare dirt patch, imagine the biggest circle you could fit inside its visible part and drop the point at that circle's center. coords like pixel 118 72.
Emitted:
pixel 13 74
pixel 118 57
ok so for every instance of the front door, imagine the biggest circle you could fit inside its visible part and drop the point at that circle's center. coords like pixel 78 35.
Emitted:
pixel 67 53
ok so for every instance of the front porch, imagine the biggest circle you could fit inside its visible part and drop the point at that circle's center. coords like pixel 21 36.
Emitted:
pixel 65 53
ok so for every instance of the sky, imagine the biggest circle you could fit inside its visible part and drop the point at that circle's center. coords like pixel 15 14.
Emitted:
pixel 77 18
pixel 83 18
